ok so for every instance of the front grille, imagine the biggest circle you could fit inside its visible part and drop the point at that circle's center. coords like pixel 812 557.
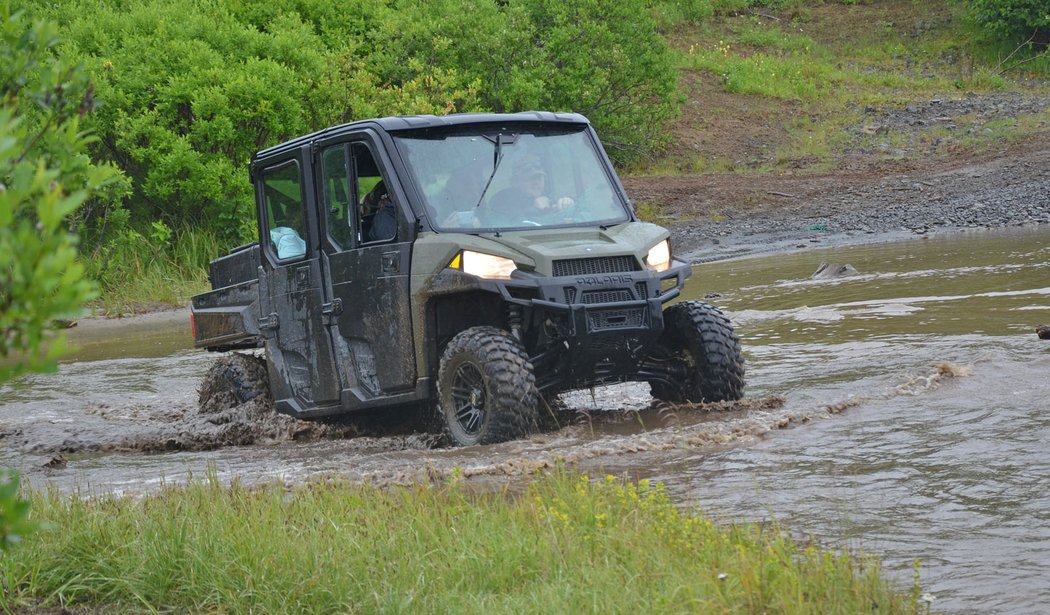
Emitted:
pixel 591 266
pixel 641 289
pixel 601 320
pixel 606 296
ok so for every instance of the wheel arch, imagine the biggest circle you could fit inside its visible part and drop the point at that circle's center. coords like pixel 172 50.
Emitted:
pixel 447 315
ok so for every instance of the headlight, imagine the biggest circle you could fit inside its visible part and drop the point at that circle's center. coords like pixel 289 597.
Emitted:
pixel 484 265
pixel 659 257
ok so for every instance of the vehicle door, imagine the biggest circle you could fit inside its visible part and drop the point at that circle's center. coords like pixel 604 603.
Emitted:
pixel 367 252
pixel 291 290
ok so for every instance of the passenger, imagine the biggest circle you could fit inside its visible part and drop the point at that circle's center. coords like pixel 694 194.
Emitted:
pixel 380 217
pixel 287 241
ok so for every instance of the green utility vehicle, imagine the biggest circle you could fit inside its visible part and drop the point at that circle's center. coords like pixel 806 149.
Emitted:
pixel 470 263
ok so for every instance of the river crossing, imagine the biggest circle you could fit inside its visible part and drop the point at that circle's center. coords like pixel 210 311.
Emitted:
pixel 903 411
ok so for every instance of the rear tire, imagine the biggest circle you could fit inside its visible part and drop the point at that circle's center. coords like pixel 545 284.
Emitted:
pixel 231 381
pixel 486 388
pixel 699 341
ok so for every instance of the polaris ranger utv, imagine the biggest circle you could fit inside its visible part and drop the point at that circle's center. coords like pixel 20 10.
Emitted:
pixel 469 263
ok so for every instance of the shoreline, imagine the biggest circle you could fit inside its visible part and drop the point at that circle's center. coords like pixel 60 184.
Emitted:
pixel 742 244
pixel 717 217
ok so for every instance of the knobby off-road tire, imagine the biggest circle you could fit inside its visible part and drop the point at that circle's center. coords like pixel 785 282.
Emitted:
pixel 486 388
pixel 699 338
pixel 233 380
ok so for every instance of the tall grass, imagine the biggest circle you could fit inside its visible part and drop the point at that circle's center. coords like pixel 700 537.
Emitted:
pixel 137 272
pixel 794 76
pixel 565 545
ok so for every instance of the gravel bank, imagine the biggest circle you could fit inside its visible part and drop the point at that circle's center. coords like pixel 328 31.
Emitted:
pixel 906 171
pixel 1007 190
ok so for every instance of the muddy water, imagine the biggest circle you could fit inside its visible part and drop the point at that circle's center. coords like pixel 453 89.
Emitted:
pixel 902 410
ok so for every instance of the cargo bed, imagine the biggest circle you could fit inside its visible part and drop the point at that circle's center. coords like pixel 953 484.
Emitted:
pixel 227 318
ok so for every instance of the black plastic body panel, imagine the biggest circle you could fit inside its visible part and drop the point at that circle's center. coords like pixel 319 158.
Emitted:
pixel 240 265
pixel 579 330
pixel 227 318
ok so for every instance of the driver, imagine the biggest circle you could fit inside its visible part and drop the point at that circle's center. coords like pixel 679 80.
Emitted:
pixel 526 199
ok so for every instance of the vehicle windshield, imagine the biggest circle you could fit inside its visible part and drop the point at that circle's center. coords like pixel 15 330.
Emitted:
pixel 512 178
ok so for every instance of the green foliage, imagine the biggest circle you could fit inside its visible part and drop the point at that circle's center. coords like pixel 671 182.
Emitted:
pixel 602 59
pixel 794 74
pixel 671 13
pixel 188 91
pixel 15 523
pixel 143 270
pixel 567 544
pixel 1015 21
pixel 45 176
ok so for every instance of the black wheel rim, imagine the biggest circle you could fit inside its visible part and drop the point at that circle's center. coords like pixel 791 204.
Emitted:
pixel 468 398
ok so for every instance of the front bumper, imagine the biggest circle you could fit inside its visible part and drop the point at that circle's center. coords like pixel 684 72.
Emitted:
pixel 593 328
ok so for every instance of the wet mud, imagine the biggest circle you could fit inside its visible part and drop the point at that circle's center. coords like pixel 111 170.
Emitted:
pixel 154 429
pixel 223 421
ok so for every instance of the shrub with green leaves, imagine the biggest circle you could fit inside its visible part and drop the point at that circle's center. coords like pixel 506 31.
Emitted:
pixel 187 94
pixel 45 175
pixel 188 91
pixel 605 60
pixel 1015 21
pixel 15 523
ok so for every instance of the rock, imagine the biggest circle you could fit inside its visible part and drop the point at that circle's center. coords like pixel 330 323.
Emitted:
pixel 827 271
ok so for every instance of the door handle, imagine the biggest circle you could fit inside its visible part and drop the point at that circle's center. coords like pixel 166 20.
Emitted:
pixel 391 262
pixel 302 277
pixel 330 310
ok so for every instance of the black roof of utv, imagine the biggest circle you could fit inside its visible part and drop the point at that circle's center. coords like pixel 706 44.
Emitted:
pixel 422 122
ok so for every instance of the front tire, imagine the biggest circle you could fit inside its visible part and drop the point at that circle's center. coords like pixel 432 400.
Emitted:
pixel 486 388
pixel 699 342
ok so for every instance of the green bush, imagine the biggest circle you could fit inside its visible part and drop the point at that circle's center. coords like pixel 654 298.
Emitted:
pixel 187 94
pixel 45 175
pixel 602 59
pixel 188 91
pixel 15 523
pixel 1014 21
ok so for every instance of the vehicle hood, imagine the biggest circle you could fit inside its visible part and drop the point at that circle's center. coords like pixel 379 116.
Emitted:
pixel 544 246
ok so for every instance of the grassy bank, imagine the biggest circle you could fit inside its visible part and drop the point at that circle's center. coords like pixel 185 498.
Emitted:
pixel 803 88
pixel 565 545
pixel 138 273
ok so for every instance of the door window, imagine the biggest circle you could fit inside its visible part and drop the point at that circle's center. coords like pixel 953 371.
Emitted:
pixel 375 203
pixel 285 221
pixel 339 213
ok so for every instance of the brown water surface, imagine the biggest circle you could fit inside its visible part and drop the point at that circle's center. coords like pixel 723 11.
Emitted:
pixel 902 410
